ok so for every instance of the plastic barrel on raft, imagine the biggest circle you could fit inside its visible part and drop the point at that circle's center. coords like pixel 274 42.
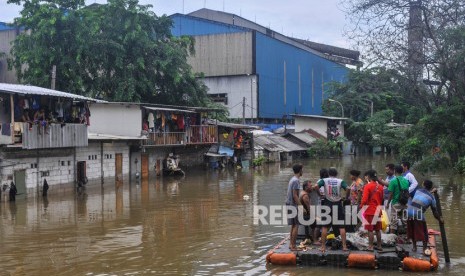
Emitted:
pixel 416 265
pixel 361 260
pixel 281 258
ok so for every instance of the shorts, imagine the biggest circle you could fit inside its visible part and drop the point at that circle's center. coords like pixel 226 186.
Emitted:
pixel 338 215
pixel 396 213
pixel 369 226
pixel 295 219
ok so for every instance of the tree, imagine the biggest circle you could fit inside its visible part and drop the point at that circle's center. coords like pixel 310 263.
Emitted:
pixel 397 33
pixel 120 51
pixel 379 85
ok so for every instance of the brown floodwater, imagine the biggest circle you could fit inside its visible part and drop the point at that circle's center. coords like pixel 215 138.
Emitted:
pixel 199 225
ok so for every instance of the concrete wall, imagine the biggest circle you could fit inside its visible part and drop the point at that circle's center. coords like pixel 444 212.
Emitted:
pixel 115 119
pixel 188 156
pixel 319 125
pixel 223 54
pixel 236 87
pixel 58 164
pixel 6 37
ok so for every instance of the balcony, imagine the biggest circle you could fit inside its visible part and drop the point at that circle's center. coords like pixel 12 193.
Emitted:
pixel 53 136
pixel 194 135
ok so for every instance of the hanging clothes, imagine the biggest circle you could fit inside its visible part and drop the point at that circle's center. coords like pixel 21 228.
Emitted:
pixel 163 120
pixel 180 122
pixel 151 120
pixel 59 109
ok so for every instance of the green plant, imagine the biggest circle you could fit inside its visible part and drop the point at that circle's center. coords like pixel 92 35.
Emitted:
pixel 460 165
pixel 323 149
pixel 258 161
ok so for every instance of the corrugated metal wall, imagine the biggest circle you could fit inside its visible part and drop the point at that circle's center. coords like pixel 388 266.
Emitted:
pixel 223 54
pixel 6 37
pixel 291 80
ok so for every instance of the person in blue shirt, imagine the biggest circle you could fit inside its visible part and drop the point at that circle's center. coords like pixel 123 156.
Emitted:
pixel 416 223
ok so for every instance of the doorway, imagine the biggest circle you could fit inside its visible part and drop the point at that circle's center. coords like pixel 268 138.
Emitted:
pixel 118 169
pixel 144 165
pixel 20 182
pixel 81 173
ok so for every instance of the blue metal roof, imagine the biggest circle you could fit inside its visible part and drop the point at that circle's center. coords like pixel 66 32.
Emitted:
pixel 4 26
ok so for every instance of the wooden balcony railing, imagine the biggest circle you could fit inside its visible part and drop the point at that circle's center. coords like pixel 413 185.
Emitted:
pixel 204 134
pixel 195 135
pixel 51 136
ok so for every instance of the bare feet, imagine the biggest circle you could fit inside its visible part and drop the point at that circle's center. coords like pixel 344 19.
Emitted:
pixel 295 248
pixel 345 249
pixel 379 248
pixel 323 249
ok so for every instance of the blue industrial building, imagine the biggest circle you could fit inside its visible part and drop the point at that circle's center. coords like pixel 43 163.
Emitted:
pixel 273 74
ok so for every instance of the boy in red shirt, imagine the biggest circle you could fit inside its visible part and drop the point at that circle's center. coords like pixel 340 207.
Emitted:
pixel 372 201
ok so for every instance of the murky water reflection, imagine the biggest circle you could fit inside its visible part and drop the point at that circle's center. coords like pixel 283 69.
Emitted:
pixel 199 225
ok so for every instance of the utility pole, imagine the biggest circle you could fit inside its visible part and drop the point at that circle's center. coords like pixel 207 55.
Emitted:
pixel 243 110
pixel 54 74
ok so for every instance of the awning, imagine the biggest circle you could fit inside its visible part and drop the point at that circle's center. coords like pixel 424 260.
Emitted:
pixel 99 136
pixel 168 109
pixel 35 90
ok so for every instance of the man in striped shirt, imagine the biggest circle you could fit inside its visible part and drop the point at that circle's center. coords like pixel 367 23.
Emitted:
pixel 416 224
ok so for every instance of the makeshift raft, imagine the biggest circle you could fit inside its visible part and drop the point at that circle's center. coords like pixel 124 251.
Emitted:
pixel 391 258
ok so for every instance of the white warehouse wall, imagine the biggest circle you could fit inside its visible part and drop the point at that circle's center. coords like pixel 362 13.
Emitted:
pixel 236 87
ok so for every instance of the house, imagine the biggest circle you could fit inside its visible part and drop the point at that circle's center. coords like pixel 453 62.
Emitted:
pixel 235 143
pixel 320 126
pixel 66 138
pixel 33 151
pixel 258 73
pixel 276 148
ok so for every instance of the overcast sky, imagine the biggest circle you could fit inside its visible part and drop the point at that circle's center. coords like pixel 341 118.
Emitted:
pixel 317 20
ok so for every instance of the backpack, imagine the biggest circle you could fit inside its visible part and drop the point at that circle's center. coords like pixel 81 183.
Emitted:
pixel 404 194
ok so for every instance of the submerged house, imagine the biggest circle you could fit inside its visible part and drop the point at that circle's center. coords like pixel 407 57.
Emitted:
pixel 235 145
pixel 33 151
pixel 66 138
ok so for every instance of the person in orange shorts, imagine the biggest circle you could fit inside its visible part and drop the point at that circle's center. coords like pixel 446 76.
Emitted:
pixel 372 202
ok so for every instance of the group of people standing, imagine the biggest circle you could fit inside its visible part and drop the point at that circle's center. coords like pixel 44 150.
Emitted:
pixel 399 193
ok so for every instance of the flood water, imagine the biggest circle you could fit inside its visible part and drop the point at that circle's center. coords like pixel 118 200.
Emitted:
pixel 199 225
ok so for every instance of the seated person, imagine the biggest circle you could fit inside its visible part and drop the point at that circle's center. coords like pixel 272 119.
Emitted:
pixel 40 118
pixel 26 119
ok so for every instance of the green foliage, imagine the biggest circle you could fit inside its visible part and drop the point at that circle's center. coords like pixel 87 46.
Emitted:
pixel 460 165
pixel 412 150
pixel 324 149
pixel 120 51
pixel 432 164
pixel 378 85
pixel 258 161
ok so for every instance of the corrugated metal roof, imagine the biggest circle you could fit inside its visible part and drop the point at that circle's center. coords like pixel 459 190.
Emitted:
pixel 304 137
pixel 283 142
pixel 231 125
pixel 267 144
pixel 168 109
pixel 277 143
pixel 35 90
